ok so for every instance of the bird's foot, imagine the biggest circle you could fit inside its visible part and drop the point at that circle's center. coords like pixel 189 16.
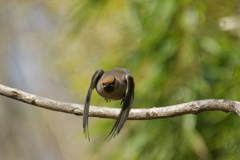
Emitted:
pixel 122 101
pixel 107 100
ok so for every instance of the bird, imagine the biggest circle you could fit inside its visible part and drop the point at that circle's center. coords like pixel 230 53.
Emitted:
pixel 116 84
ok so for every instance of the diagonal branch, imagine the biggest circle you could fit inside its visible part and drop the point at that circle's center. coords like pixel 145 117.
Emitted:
pixel 194 107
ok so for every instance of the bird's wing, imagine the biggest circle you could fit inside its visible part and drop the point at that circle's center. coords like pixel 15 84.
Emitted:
pixel 97 75
pixel 125 108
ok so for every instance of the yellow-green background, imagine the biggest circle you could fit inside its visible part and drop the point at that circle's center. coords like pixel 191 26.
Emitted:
pixel 177 52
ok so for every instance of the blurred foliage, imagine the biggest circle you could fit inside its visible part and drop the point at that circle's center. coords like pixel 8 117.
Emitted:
pixel 177 53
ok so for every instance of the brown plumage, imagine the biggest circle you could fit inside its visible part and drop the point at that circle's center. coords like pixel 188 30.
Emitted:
pixel 109 79
pixel 115 84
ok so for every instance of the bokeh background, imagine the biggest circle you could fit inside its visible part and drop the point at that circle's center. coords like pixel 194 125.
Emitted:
pixel 178 51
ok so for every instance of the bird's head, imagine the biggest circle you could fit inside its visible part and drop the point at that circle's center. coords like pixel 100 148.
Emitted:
pixel 109 84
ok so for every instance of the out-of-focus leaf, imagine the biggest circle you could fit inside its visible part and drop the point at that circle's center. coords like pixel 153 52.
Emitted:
pixel 177 53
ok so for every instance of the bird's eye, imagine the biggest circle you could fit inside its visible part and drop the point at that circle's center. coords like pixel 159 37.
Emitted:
pixel 113 83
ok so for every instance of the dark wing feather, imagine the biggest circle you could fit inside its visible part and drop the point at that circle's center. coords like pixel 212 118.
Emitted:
pixel 97 75
pixel 125 108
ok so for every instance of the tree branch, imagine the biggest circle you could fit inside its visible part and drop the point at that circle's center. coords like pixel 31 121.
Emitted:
pixel 194 107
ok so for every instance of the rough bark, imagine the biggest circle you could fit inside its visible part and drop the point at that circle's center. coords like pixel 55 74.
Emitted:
pixel 193 107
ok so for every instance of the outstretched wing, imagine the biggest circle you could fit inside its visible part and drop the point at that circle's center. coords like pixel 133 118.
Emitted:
pixel 125 108
pixel 97 75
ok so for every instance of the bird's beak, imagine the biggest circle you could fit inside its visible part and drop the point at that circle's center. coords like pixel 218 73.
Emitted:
pixel 107 84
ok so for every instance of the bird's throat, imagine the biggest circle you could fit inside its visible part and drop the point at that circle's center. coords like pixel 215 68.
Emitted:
pixel 109 89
